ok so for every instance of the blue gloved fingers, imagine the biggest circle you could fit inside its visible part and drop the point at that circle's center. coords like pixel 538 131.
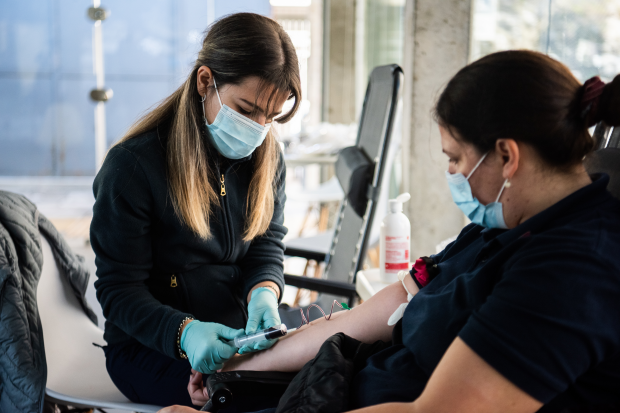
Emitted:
pixel 215 359
pixel 264 345
pixel 223 352
pixel 263 299
pixel 246 350
pixel 271 318
pixel 228 333
pixel 261 345
pixel 253 323
pixel 205 346
pixel 205 368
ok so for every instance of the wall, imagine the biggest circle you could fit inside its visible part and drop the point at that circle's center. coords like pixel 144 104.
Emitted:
pixel 436 47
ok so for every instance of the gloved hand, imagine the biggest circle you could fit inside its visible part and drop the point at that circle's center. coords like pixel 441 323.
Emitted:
pixel 262 314
pixel 202 342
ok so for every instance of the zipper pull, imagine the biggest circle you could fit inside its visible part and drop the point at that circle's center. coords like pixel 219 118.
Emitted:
pixel 223 188
pixel 173 281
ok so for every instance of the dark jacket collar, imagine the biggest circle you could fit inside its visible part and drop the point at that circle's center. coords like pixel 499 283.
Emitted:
pixel 585 198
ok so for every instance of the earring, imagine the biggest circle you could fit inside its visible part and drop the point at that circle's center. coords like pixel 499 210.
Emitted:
pixel 202 101
pixel 508 184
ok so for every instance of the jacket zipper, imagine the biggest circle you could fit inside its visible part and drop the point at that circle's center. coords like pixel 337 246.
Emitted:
pixel 227 224
pixel 173 281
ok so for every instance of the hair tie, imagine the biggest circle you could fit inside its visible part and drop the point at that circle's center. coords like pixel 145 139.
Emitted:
pixel 590 99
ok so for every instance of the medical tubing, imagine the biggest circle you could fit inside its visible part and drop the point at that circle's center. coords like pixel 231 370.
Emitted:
pixel 305 320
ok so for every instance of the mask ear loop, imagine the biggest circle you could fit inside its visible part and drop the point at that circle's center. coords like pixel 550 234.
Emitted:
pixel 217 93
pixel 501 190
pixel 477 165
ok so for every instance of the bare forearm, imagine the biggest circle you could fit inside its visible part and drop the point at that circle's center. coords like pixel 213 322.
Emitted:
pixel 367 323
pixel 387 408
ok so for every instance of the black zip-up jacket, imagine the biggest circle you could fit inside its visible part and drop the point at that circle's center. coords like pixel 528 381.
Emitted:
pixel 153 270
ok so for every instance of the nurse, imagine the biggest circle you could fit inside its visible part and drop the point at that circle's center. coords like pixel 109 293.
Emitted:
pixel 188 221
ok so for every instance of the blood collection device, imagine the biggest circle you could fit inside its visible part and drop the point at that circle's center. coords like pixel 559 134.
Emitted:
pixel 267 334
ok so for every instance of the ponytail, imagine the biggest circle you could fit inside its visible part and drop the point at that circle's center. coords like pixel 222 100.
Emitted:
pixel 609 105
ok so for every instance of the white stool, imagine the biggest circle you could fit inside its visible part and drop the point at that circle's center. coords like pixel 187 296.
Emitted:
pixel 76 372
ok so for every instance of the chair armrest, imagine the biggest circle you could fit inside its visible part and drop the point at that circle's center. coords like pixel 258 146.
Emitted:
pixel 242 386
pixel 309 255
pixel 321 285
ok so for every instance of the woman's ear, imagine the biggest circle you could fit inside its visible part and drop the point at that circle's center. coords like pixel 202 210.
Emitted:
pixel 509 153
pixel 204 79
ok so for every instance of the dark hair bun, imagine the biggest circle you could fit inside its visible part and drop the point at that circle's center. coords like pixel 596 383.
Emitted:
pixel 526 96
pixel 609 106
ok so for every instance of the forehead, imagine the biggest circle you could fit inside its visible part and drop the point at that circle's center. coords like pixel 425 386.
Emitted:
pixel 253 89
pixel 455 146
pixel 448 142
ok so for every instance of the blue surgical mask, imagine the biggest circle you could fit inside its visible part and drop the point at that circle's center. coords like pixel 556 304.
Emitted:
pixel 489 216
pixel 232 134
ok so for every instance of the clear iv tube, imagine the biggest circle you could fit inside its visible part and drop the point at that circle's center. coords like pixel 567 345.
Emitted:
pixel 306 320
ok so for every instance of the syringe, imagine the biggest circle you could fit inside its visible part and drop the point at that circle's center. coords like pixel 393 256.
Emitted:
pixel 267 334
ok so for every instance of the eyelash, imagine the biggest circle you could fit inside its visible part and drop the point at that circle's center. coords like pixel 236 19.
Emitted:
pixel 245 112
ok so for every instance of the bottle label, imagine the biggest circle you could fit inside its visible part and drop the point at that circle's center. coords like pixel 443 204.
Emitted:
pixel 396 254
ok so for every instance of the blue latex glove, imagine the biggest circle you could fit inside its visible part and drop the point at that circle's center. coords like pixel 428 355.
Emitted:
pixel 262 314
pixel 202 342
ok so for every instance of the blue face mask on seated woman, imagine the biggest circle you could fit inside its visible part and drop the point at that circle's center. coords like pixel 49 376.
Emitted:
pixel 234 135
pixel 488 216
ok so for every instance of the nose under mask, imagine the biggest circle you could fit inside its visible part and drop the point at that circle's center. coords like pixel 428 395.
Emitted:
pixel 234 135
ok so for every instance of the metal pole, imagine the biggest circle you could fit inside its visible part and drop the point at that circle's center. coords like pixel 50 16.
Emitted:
pixel 100 94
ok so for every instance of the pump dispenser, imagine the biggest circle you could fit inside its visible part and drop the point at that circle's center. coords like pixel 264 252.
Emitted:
pixel 395 240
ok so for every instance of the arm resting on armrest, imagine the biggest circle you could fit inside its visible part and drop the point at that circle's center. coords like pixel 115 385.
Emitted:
pixel 366 322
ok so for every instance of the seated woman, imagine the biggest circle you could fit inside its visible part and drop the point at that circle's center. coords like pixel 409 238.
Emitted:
pixel 521 311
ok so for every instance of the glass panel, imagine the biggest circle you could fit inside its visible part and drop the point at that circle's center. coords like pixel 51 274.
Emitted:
pixel 508 24
pixel 75 31
pixel 585 35
pixel 131 99
pixel 46 73
pixel 384 32
pixel 26 123
pixel 25 37
pixel 74 127
pixel 138 38
pixel 222 8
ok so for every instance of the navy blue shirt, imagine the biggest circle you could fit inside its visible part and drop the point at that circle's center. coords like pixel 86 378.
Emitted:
pixel 540 303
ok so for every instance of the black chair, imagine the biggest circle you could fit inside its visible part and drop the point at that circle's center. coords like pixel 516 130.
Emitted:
pixel 606 157
pixel 344 252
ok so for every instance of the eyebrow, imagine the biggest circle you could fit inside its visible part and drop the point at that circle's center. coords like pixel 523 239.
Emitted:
pixel 258 108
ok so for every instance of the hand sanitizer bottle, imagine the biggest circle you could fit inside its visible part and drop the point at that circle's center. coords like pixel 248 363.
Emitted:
pixel 395 240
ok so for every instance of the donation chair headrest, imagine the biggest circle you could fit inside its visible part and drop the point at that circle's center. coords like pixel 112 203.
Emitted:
pixel 354 171
pixel 606 161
